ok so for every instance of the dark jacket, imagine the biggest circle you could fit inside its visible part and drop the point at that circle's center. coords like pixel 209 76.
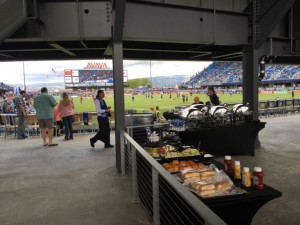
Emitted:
pixel 214 99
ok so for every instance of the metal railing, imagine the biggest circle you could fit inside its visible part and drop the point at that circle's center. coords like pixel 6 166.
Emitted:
pixel 162 197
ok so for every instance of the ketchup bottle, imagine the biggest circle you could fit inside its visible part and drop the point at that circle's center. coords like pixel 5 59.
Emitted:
pixel 258 178
pixel 228 165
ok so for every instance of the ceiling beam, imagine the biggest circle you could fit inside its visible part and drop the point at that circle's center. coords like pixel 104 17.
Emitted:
pixel 59 47
pixel 119 17
pixel 270 19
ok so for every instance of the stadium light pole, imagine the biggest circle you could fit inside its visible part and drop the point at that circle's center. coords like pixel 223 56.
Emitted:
pixel 151 74
pixel 24 76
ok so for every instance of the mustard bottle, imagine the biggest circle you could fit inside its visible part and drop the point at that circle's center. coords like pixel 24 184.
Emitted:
pixel 246 177
pixel 237 170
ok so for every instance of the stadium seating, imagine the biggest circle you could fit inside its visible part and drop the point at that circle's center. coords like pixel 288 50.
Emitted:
pixel 231 73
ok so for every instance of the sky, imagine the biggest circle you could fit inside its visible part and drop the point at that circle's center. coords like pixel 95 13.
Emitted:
pixel 41 71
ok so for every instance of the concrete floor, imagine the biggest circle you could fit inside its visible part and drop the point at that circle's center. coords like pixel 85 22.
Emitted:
pixel 74 185
pixel 70 184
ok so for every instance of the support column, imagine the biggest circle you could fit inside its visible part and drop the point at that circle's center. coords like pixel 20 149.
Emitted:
pixel 118 100
pixel 250 79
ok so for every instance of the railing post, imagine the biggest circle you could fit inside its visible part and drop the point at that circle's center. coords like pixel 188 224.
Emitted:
pixel 155 191
pixel 134 174
pixel 122 149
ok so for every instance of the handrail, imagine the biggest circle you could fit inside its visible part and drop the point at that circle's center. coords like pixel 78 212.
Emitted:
pixel 210 217
pixel 154 124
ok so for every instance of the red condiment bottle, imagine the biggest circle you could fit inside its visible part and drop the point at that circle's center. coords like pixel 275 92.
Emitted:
pixel 258 178
pixel 228 165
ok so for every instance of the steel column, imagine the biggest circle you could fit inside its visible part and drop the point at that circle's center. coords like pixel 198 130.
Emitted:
pixel 250 80
pixel 118 100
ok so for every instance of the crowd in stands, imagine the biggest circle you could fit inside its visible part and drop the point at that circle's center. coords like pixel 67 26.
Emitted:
pixel 219 73
pixel 5 87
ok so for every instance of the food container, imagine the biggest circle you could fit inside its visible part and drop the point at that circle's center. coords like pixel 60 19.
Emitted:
pixel 138 119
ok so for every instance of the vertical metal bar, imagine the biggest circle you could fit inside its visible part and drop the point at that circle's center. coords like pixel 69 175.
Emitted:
pixel 214 19
pixel 232 5
pixel 134 175
pixel 155 191
pixel 122 150
pixel 271 46
pixel 24 79
pixel 200 3
pixel 291 28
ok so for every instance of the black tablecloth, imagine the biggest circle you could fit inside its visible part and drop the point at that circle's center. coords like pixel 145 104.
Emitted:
pixel 232 139
pixel 240 209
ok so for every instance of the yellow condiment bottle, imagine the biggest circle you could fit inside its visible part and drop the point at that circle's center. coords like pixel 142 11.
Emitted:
pixel 237 170
pixel 246 177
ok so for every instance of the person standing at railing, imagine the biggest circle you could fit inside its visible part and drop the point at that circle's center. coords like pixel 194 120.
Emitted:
pixel 21 112
pixel 66 110
pixel 44 105
pixel 103 112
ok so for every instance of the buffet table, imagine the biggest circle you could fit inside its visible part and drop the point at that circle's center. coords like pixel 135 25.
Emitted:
pixel 235 209
pixel 240 209
pixel 227 139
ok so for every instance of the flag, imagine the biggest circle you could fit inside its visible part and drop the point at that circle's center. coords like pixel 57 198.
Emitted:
pixel 17 90
pixel 53 71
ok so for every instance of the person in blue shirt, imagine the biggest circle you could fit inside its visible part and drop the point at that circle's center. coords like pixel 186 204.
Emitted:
pixel 103 113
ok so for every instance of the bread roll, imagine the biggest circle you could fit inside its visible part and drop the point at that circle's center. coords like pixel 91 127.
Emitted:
pixel 195 166
pixel 189 162
pixel 197 185
pixel 175 162
pixel 188 167
pixel 171 169
pixel 166 165
pixel 206 187
pixel 182 163
pixel 181 167
pixel 192 179
pixel 223 186
pixel 176 168
pixel 208 173
pixel 191 174
pixel 200 165
pixel 206 193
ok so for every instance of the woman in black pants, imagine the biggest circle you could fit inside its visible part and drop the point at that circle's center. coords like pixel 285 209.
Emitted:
pixel 103 113
pixel 66 109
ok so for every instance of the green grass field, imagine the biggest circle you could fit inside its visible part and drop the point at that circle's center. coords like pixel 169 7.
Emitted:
pixel 142 104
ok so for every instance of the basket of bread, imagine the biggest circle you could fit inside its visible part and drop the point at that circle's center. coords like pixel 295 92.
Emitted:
pixel 210 183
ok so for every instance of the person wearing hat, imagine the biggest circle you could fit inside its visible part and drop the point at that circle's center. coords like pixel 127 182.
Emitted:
pixel 214 99
pixel 197 101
